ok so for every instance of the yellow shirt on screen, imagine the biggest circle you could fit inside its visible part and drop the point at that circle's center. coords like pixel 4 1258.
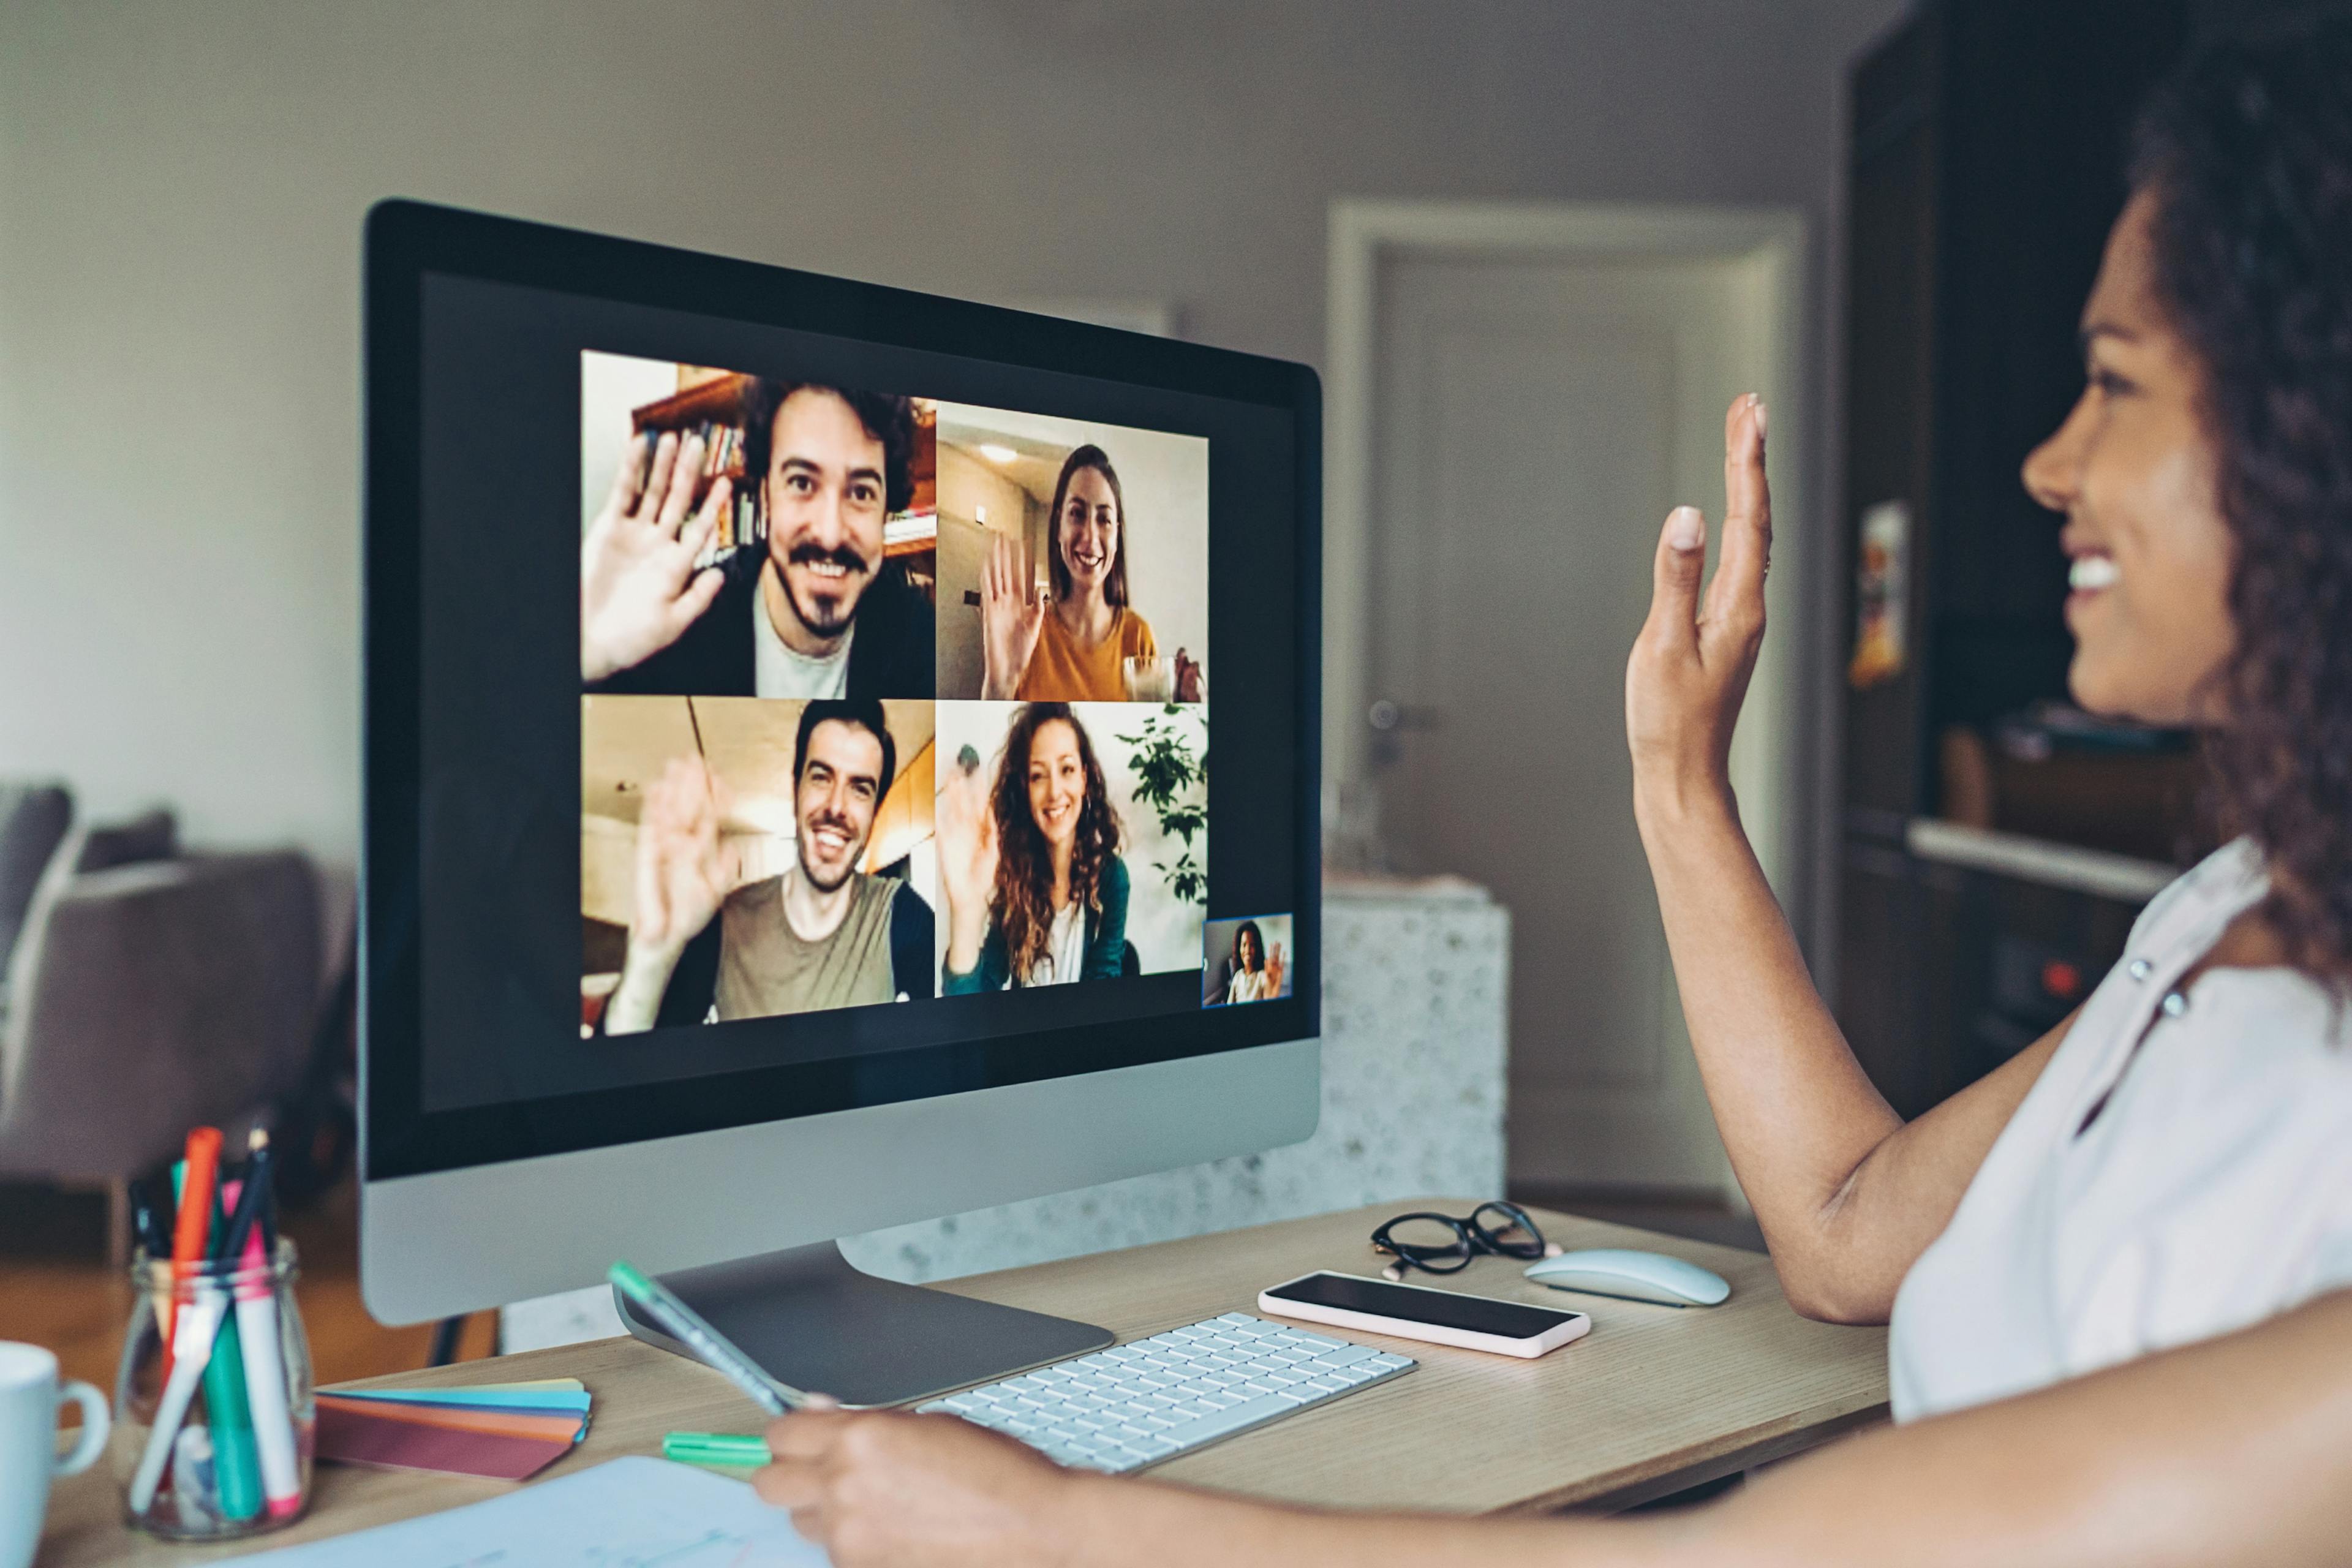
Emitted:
pixel 1062 671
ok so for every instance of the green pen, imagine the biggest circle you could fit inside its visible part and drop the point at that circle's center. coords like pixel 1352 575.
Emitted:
pixel 714 1448
pixel 707 1344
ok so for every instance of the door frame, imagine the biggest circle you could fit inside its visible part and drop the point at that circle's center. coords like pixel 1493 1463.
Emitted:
pixel 1767 763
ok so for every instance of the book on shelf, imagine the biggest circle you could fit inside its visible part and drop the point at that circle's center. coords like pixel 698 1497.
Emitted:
pixel 909 526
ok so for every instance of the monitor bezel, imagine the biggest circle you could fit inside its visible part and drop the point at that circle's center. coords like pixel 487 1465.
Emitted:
pixel 403 242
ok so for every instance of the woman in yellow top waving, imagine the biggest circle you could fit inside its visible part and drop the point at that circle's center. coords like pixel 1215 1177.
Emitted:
pixel 1071 645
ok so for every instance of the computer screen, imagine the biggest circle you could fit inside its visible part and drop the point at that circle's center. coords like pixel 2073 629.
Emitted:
pixel 788 695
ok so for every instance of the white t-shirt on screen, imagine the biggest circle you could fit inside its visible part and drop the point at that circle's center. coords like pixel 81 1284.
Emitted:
pixel 778 671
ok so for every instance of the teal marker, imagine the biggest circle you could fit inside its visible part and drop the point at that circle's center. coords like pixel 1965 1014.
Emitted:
pixel 707 1344
pixel 714 1448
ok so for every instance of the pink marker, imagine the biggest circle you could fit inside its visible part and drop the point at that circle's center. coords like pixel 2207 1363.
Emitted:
pixel 265 1364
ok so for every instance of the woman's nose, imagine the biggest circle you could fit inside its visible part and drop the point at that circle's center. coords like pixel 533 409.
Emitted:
pixel 2052 471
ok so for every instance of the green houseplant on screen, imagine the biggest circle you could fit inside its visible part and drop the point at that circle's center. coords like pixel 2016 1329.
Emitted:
pixel 1174 781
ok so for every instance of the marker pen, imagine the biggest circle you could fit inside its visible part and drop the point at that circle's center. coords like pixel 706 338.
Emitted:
pixel 265 1364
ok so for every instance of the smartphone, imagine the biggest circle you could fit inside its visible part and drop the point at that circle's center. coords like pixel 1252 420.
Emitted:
pixel 1418 1312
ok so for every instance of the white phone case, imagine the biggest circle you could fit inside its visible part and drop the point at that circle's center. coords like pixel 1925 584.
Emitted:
pixel 1576 1327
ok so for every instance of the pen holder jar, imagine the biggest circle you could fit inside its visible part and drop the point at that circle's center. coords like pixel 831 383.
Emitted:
pixel 213 1408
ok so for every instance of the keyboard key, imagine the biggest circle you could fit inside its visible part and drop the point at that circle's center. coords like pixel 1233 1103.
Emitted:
pixel 1387 1362
pixel 1221 1423
pixel 1344 1356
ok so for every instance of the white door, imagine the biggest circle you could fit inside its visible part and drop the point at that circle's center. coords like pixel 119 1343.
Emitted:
pixel 1531 418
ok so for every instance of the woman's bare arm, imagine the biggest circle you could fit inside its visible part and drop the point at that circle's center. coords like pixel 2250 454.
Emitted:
pixel 1847 1195
pixel 2234 1451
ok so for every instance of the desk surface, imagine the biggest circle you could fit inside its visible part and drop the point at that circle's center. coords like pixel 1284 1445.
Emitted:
pixel 1654 1399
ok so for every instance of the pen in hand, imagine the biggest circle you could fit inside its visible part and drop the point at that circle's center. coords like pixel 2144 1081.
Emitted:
pixel 707 1344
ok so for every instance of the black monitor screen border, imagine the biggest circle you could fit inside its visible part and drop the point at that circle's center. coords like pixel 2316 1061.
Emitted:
pixel 404 241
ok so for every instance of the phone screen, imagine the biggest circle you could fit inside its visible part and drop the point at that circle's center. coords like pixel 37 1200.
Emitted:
pixel 1441 1309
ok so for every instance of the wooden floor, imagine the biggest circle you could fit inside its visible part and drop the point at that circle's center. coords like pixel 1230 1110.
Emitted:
pixel 57 1290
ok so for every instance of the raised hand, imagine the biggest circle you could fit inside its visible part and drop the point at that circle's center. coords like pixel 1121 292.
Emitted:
pixel 1273 972
pixel 1011 614
pixel 684 871
pixel 1187 679
pixel 967 860
pixel 638 588
pixel 1690 666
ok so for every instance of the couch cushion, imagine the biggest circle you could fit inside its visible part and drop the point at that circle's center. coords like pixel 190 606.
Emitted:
pixel 151 835
pixel 33 819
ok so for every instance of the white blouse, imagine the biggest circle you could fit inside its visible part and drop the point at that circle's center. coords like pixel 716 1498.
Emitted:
pixel 2213 1190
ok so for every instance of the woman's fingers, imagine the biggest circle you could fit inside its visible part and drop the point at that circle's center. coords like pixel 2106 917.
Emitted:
pixel 1674 589
pixel 995 575
pixel 1736 598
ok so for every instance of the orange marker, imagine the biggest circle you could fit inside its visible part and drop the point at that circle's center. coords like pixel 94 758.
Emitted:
pixel 189 1239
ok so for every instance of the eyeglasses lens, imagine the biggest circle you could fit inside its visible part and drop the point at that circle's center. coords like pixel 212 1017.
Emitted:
pixel 1508 1231
pixel 1426 1240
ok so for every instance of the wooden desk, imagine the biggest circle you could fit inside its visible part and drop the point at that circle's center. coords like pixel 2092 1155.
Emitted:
pixel 1654 1400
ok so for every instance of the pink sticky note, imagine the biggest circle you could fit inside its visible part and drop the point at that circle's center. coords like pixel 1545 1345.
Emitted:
pixel 361 1439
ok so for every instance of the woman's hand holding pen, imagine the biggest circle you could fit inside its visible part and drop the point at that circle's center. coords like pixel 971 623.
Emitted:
pixel 1690 666
pixel 1011 615
pixel 638 588
pixel 883 1489
pixel 967 857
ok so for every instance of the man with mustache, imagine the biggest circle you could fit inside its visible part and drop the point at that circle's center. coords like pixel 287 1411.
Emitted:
pixel 822 934
pixel 820 613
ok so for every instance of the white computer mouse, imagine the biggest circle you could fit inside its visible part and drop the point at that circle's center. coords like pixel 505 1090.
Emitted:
pixel 1633 1276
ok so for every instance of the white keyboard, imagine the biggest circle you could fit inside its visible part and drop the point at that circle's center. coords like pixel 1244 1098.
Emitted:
pixel 1135 1405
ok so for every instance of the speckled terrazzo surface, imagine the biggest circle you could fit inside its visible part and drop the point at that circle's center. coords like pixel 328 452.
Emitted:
pixel 1416 986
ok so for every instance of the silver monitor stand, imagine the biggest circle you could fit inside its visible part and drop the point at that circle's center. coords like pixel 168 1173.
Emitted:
pixel 816 1321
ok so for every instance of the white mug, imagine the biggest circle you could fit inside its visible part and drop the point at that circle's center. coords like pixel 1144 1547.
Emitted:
pixel 30 1396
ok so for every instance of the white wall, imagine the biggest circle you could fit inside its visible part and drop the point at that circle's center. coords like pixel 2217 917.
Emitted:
pixel 182 183
pixel 613 387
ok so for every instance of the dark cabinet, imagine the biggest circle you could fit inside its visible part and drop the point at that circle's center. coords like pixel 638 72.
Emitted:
pixel 1985 168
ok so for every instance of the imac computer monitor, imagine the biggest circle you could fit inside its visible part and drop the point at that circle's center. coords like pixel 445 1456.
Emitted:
pixel 790 706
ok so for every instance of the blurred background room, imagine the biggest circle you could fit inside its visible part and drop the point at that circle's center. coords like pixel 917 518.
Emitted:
pixel 1532 247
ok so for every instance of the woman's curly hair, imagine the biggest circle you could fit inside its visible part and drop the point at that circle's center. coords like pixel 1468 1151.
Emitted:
pixel 2247 151
pixel 1024 900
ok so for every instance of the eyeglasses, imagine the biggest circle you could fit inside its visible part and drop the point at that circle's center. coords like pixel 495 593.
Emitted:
pixel 1440 1244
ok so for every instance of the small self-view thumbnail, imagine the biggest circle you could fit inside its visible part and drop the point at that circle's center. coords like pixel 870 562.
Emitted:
pixel 1246 959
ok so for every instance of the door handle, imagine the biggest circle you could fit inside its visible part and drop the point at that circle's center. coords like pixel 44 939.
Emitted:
pixel 1387 716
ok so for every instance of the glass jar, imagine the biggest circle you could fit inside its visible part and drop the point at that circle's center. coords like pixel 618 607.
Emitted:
pixel 231 1387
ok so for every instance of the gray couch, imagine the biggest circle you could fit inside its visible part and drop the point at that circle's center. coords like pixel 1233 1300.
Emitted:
pixel 147 990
